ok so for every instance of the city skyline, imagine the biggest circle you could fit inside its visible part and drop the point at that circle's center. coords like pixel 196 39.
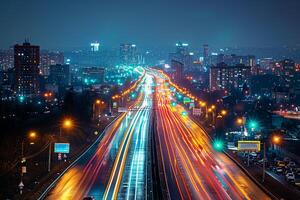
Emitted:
pixel 110 99
pixel 66 25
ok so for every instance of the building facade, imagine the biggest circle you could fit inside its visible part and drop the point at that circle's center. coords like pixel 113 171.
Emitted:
pixel 224 77
pixel 26 63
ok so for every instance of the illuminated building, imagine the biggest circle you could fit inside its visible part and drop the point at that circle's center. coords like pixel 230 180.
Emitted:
pixel 177 70
pixel 288 73
pixel 206 58
pixel 224 77
pixel 49 58
pixel 60 75
pixel 93 75
pixel 26 62
pixel 6 59
pixel 233 59
pixel 182 55
pixel 128 54
pixel 95 46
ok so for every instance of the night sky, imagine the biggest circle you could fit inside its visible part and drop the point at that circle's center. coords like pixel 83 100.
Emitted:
pixel 63 24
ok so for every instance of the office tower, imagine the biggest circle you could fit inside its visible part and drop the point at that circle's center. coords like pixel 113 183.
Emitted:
pixel 60 75
pixel 182 48
pixel 224 77
pixel 128 54
pixel 177 68
pixel 206 57
pixel 6 59
pixel 26 62
pixel 47 59
pixel 182 55
pixel 287 73
pixel 93 75
pixel 95 46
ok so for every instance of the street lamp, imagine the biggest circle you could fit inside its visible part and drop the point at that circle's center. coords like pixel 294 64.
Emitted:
pixel 240 122
pixel 223 112
pixel 66 124
pixel 276 139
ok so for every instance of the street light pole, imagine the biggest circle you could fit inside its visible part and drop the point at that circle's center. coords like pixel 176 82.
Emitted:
pixel 264 163
pixel 49 156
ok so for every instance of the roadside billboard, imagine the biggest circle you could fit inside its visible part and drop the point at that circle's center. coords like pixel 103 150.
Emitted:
pixel 61 147
pixel 249 145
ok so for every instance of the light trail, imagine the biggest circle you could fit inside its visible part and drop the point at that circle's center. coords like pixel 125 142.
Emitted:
pixel 198 170
pixel 90 174
pixel 131 184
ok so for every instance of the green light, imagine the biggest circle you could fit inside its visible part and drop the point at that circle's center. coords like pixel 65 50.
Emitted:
pixel 253 124
pixel 21 98
pixel 132 95
pixel 184 114
pixel 173 104
pixel 218 145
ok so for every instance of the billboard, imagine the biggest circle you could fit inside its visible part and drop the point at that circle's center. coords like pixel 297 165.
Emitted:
pixel 197 111
pixel 249 145
pixel 122 109
pixel 186 100
pixel 61 147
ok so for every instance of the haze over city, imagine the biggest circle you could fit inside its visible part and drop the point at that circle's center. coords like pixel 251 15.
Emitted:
pixel 67 24
pixel 157 100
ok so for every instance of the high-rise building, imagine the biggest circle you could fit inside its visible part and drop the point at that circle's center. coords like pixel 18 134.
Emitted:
pixel 26 62
pixel 177 68
pixel 60 75
pixel 224 77
pixel 128 54
pixel 182 55
pixel 47 59
pixel 93 75
pixel 288 73
pixel 206 57
pixel 233 59
pixel 6 59
pixel 95 46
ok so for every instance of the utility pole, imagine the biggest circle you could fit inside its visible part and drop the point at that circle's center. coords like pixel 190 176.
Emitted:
pixel 264 163
pixel 49 156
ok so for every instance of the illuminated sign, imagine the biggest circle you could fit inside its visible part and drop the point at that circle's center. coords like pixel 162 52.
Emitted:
pixel 61 147
pixel 249 145
pixel 95 46
pixel 186 100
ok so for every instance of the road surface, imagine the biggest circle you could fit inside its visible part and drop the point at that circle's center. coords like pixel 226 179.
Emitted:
pixel 193 169
pixel 115 166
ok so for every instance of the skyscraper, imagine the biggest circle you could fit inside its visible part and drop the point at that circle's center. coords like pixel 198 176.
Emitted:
pixel 26 62
pixel 60 75
pixel 206 58
pixel 288 73
pixel 182 55
pixel 177 68
pixel 95 46
pixel 128 54
pixel 224 77
pixel 47 59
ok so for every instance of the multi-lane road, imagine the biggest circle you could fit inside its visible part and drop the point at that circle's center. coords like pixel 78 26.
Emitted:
pixel 117 165
pixel 194 170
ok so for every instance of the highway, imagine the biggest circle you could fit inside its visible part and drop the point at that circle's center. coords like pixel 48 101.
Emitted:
pixel 115 165
pixel 193 169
